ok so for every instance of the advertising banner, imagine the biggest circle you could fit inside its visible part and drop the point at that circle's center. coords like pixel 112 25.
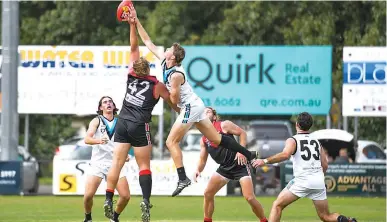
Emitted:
pixel 71 79
pixel 364 81
pixel 11 177
pixel 348 179
pixel 262 80
pixel 69 178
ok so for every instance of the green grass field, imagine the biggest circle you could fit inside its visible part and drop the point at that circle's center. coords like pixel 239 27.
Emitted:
pixel 184 209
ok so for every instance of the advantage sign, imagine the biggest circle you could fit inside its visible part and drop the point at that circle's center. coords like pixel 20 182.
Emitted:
pixel 348 179
pixel 71 79
pixel 364 81
pixel 279 80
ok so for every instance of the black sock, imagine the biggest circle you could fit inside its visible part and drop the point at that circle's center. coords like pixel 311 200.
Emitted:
pixel 146 184
pixel 88 216
pixel 115 215
pixel 109 194
pixel 233 145
pixel 181 173
pixel 342 218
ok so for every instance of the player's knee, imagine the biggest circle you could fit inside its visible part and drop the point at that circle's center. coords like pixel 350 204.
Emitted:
pixel 125 197
pixel 171 143
pixel 208 195
pixel 249 198
pixel 87 198
pixel 118 160
pixel 278 205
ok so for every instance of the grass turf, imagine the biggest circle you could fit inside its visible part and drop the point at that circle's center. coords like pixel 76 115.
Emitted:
pixel 183 209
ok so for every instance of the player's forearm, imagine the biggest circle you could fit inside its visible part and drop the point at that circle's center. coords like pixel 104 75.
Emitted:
pixel 243 139
pixel 201 166
pixel 173 106
pixel 174 96
pixel 133 37
pixel 92 141
pixel 277 158
pixel 143 35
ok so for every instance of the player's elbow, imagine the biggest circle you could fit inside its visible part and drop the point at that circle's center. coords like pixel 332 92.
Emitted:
pixel 87 140
pixel 286 155
pixel 243 134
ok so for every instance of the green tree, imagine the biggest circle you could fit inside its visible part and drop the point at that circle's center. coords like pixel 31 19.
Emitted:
pixel 308 23
pixel 214 23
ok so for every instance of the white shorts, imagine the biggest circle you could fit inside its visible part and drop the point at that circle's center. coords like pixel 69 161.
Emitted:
pixel 102 169
pixel 192 112
pixel 300 191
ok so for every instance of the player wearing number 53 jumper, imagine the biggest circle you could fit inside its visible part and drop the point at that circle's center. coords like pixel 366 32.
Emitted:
pixel 142 94
pixel 309 166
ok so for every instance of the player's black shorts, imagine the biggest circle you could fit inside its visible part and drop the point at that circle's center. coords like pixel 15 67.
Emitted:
pixel 234 173
pixel 137 134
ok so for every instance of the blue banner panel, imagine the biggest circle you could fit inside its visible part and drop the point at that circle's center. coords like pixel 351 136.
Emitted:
pixel 262 80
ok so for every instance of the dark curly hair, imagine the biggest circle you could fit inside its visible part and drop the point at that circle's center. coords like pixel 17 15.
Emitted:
pixel 99 112
pixel 305 121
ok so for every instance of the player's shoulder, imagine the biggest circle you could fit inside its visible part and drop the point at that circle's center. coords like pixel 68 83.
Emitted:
pixel 301 135
pixel 96 119
pixel 177 75
pixel 180 69
pixel 152 79
pixel 292 139
pixel 95 122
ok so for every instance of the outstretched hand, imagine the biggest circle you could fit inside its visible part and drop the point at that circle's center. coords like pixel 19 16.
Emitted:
pixel 257 163
pixel 132 15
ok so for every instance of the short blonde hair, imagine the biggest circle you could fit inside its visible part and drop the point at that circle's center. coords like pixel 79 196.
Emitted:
pixel 141 67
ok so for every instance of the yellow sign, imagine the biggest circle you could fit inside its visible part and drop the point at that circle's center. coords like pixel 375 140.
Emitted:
pixel 68 183
pixel 330 183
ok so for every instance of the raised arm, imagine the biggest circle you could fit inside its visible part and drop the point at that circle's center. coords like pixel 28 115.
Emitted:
pixel 145 37
pixel 133 40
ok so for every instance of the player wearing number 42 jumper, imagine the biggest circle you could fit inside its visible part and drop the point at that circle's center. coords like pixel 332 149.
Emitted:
pixel 192 108
pixel 142 94
pixel 309 166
